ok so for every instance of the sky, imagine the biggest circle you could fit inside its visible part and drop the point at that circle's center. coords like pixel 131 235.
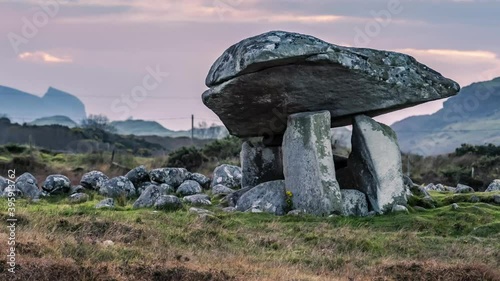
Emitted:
pixel 148 59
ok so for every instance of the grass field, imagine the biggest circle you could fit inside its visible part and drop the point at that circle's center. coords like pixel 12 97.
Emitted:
pixel 60 241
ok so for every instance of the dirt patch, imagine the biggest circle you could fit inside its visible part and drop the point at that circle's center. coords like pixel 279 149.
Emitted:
pixel 101 230
pixel 66 270
pixel 431 271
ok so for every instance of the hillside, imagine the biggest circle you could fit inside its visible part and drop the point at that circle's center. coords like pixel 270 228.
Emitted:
pixel 472 116
pixel 140 128
pixel 61 138
pixel 54 120
pixel 152 128
pixel 24 107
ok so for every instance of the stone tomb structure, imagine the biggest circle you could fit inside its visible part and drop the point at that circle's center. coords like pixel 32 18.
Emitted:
pixel 289 89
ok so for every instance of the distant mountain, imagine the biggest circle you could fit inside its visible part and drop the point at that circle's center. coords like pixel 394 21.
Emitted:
pixel 140 128
pixel 21 107
pixel 472 116
pixel 54 120
pixel 152 128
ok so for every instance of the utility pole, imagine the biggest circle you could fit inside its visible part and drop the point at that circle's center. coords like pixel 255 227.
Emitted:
pixel 192 127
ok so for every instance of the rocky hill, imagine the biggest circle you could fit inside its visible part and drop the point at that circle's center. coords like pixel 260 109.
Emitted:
pixel 24 107
pixel 472 117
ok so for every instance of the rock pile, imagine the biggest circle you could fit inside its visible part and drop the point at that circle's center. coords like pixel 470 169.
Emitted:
pixel 290 89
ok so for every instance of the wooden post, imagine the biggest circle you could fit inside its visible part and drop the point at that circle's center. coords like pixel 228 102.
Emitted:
pixel 192 126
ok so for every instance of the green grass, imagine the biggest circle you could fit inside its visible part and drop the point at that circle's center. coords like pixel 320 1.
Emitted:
pixel 470 234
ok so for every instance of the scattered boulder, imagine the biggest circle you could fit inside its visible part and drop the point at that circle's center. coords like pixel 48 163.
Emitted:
pixel 200 211
pixel 11 191
pixel 447 188
pixel 168 203
pixel 116 187
pixel 108 203
pixel 232 198
pixel 462 188
pixel 494 186
pixel 496 199
pixel 295 213
pixel 76 189
pixel 376 160
pixel 3 184
pixel 201 179
pixel 92 180
pixel 167 189
pixel 57 184
pixel 420 209
pixel 229 209
pixel 198 200
pixel 399 209
pixel 142 186
pixel 260 163
pixel 261 80
pixel 269 197
pixel 28 185
pixel 170 176
pixel 474 199
pixel 78 198
pixel 420 191
pixel 354 203
pixel 221 190
pixel 308 164
pixel 437 187
pixel 148 197
pixel 227 175
pixel 189 187
pixel 454 206
pixel 138 175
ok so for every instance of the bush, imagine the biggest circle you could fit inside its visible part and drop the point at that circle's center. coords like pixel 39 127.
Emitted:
pixel 482 150
pixel 190 158
pixel 226 148
pixel 15 148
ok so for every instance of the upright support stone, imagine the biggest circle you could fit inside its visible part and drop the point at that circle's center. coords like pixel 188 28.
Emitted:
pixel 376 164
pixel 260 164
pixel 308 164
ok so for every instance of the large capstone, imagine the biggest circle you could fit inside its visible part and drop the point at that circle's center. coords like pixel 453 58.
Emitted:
pixel 269 197
pixel 308 164
pixel 260 163
pixel 376 164
pixel 256 83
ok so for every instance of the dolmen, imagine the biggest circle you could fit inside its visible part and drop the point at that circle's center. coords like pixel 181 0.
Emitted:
pixel 288 90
